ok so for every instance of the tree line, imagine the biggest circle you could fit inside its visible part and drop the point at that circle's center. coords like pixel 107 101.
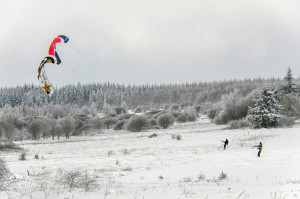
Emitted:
pixel 75 109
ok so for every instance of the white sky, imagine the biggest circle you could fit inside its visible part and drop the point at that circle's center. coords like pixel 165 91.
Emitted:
pixel 149 41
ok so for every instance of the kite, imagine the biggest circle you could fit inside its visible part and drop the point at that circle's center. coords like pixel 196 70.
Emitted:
pixel 52 58
pixel 52 48
pixel 44 82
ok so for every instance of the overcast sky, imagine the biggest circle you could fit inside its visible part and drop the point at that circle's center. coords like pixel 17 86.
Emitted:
pixel 149 41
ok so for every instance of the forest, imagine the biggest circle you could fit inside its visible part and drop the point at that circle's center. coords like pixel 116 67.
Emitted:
pixel 28 113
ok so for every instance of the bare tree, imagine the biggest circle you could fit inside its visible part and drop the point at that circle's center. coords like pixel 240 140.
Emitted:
pixel 67 127
pixel 35 128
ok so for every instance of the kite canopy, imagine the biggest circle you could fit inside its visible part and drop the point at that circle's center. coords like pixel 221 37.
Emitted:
pixel 52 58
pixel 44 82
pixel 52 49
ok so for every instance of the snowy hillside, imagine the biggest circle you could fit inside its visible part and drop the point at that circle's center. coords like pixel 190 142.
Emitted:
pixel 184 161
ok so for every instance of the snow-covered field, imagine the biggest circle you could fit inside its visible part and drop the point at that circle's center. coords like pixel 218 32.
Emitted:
pixel 132 165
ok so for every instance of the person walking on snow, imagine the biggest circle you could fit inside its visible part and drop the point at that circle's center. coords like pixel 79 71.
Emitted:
pixel 225 143
pixel 259 147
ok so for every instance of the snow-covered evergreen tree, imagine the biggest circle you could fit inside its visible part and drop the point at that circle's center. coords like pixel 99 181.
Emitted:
pixel 265 110
pixel 289 86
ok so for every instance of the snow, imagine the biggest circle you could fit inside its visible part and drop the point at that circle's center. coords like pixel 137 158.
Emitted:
pixel 132 165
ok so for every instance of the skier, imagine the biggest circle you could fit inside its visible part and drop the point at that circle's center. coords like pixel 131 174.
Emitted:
pixel 259 147
pixel 226 142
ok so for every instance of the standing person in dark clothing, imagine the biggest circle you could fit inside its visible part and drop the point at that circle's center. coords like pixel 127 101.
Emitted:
pixel 259 147
pixel 226 142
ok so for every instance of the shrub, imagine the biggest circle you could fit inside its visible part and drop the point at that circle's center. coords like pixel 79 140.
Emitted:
pixel 3 170
pixel 96 123
pixel 71 179
pixel 8 145
pixel 219 119
pixel 182 118
pixel 290 105
pixel 286 121
pixel 201 177
pixel 177 137
pixel 174 107
pixel 165 120
pixel 176 114
pixel 222 176
pixel 153 121
pixel 212 113
pixel 110 121
pixel 137 123
pixel 88 183
pixel 119 125
pixel 110 153
pixel 75 179
pixel 191 117
pixel 236 124
pixel 23 156
pixel 4 173
pixel 153 135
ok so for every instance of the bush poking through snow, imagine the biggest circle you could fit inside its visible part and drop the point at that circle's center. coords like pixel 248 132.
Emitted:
pixel 4 182
pixel 71 179
pixel 222 176
pixel 119 125
pixel 182 118
pixel 125 151
pixel 153 121
pixel 3 170
pixel 237 124
pixel 8 145
pixel 187 179
pixel 177 137
pixel 75 179
pixel 165 120
pixel 137 123
pixel 117 162
pixel 153 135
pixel 191 117
pixel 110 153
pixel 174 107
pixel 88 183
pixel 201 177
pixel 128 168
pixel 22 156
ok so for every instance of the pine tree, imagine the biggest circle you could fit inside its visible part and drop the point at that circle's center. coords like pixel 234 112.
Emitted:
pixel 264 113
pixel 289 87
